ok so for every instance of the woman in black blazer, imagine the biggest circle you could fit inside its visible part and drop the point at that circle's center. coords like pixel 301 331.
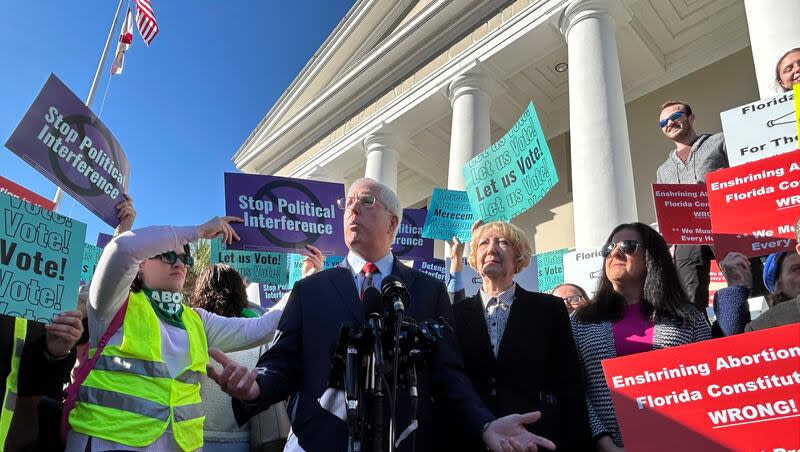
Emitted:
pixel 640 305
pixel 517 347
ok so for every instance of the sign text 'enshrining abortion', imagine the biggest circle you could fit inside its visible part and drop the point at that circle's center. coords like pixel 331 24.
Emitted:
pixel 283 215
pixel 738 393
pixel 41 253
pixel 760 129
pixel 682 213
pixel 755 206
pixel 513 174
pixel 64 140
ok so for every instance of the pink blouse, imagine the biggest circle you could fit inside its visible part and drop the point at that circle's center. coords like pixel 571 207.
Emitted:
pixel 633 333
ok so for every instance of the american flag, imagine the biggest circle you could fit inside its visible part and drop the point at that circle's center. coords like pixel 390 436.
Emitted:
pixel 146 21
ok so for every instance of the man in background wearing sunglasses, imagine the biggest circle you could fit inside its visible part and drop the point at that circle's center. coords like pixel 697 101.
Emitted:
pixel 693 157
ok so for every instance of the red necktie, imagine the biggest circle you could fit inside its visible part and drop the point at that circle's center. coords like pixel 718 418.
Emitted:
pixel 369 271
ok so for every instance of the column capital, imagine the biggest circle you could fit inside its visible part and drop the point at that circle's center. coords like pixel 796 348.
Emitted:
pixel 380 140
pixel 474 81
pixel 579 10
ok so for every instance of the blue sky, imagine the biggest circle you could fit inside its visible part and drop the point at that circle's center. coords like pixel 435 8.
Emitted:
pixel 181 108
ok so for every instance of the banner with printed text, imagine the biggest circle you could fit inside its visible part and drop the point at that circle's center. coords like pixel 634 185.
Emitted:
pixel 66 142
pixel 41 253
pixel 682 213
pixel 449 215
pixel 760 129
pixel 91 256
pixel 283 215
pixel 754 206
pixel 256 266
pixel 739 393
pixel 409 243
pixel 550 267
pixel 513 174
pixel 11 188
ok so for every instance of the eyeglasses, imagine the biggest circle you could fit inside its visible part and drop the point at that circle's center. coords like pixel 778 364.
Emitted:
pixel 673 117
pixel 574 299
pixel 170 257
pixel 628 247
pixel 365 200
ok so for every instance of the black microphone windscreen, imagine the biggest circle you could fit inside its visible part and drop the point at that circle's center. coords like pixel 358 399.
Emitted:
pixel 373 302
pixel 390 282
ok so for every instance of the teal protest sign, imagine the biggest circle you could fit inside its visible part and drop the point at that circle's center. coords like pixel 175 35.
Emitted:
pixel 449 215
pixel 296 266
pixel 513 174
pixel 91 256
pixel 256 266
pixel 551 269
pixel 40 260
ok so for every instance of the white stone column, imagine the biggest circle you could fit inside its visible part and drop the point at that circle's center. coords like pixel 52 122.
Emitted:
pixel 381 158
pixel 603 194
pixel 773 27
pixel 470 134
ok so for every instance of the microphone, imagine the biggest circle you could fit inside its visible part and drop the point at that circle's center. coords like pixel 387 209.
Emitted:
pixel 395 294
pixel 373 308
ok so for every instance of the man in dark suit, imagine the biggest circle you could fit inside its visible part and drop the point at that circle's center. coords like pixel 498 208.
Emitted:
pixel 517 345
pixel 299 361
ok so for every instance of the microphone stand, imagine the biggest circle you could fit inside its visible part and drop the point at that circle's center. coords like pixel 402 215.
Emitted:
pixel 398 324
pixel 375 384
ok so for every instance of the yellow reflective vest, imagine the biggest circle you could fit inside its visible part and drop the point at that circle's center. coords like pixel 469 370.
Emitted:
pixel 129 396
pixel 10 397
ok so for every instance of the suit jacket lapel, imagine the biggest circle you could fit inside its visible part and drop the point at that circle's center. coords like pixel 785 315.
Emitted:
pixel 510 324
pixel 342 279
pixel 475 321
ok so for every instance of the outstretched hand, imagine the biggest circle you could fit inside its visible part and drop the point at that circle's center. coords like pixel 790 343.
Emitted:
pixel 235 379
pixel 220 226
pixel 508 433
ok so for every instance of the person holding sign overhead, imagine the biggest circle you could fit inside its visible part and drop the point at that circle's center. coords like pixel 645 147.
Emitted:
pixel 694 156
pixel 639 306
pixel 517 345
pixel 145 371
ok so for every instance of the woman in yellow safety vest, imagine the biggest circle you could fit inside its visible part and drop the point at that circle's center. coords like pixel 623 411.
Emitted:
pixel 143 392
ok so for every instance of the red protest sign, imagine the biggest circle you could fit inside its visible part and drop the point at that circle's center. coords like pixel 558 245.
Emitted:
pixel 18 191
pixel 682 213
pixel 716 281
pixel 739 393
pixel 754 206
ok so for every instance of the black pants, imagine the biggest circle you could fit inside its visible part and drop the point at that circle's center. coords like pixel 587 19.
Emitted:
pixel 694 263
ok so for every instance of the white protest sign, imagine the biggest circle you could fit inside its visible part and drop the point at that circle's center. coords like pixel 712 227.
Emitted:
pixel 583 268
pixel 761 129
pixel 528 278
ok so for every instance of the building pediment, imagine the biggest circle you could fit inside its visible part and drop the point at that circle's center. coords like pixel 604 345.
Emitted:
pixel 376 45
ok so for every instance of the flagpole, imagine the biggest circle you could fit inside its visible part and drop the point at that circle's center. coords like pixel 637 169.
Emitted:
pixel 90 97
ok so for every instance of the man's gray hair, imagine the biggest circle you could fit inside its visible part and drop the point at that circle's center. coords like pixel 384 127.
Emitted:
pixel 383 195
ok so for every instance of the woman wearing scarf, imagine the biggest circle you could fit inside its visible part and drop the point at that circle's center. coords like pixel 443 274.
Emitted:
pixel 143 392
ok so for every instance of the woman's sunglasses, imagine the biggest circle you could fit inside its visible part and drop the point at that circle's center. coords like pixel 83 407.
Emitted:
pixel 170 257
pixel 628 247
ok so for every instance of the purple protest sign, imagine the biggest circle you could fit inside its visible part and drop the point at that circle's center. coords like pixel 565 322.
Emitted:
pixel 103 239
pixel 64 140
pixel 283 215
pixel 409 243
